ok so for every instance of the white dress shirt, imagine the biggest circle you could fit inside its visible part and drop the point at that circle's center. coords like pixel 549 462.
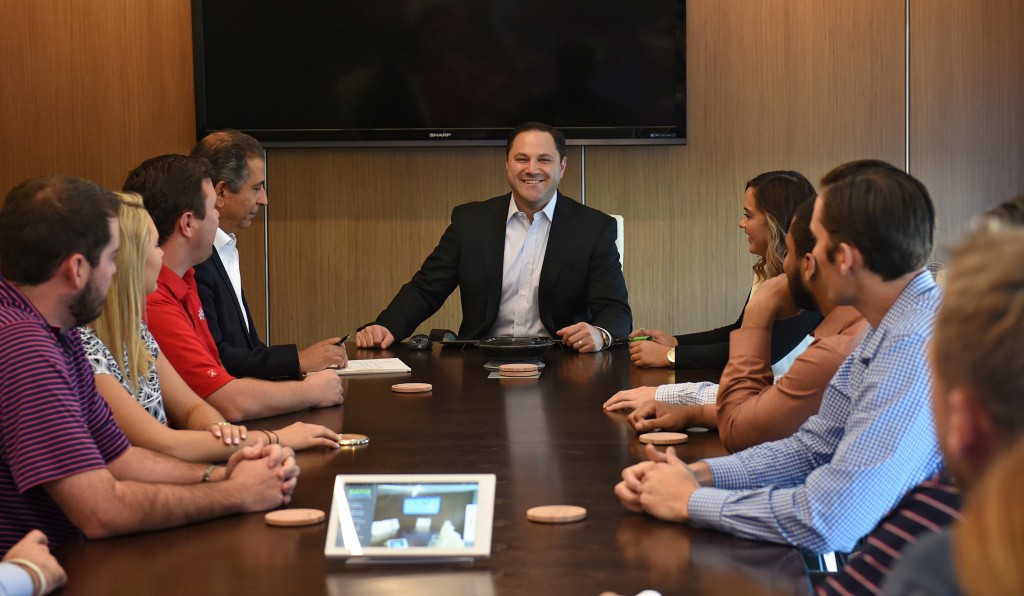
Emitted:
pixel 525 246
pixel 227 247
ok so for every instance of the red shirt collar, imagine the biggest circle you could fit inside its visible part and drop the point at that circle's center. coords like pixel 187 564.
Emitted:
pixel 178 286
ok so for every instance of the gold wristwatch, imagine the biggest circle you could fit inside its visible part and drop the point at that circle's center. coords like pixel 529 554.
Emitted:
pixel 672 355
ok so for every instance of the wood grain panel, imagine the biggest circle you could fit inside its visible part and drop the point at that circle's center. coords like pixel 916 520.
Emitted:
pixel 93 88
pixel 348 227
pixel 252 251
pixel 966 107
pixel 771 85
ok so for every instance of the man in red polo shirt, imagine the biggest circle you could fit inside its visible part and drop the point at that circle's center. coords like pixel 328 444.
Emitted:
pixel 179 195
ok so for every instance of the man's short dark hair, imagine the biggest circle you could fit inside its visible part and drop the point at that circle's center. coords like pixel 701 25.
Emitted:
pixel 883 211
pixel 803 243
pixel 528 126
pixel 229 151
pixel 47 219
pixel 800 229
pixel 170 185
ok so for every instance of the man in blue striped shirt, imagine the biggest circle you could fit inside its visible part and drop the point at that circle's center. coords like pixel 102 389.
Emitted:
pixel 873 439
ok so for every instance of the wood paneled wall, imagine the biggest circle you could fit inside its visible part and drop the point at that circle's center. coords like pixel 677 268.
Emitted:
pixel 93 88
pixel 966 107
pixel 778 86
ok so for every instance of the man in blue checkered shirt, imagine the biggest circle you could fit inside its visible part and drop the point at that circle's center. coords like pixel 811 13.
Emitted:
pixel 873 439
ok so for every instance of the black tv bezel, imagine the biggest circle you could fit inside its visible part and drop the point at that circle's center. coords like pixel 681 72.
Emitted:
pixel 434 137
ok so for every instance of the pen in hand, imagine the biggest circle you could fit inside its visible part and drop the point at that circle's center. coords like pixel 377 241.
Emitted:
pixel 341 344
pixel 626 340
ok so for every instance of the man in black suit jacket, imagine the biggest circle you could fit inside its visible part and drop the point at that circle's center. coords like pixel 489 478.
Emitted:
pixel 580 293
pixel 240 184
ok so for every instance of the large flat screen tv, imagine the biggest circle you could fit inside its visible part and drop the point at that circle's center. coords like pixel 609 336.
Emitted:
pixel 440 72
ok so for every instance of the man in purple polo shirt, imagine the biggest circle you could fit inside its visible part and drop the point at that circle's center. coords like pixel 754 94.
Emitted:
pixel 65 467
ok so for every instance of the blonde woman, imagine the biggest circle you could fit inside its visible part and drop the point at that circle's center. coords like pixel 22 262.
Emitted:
pixel 143 390
pixel 769 203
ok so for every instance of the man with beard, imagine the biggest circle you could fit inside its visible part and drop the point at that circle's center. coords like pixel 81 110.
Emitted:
pixel 749 407
pixel 65 467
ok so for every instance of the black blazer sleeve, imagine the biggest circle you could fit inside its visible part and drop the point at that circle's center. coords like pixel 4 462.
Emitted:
pixel 582 278
pixel 607 296
pixel 710 349
pixel 242 352
pixel 426 292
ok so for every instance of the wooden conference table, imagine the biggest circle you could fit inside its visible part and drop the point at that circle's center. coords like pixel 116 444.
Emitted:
pixel 547 440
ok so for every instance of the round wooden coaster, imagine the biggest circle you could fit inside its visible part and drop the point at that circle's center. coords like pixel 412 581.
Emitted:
pixel 412 387
pixel 664 438
pixel 352 439
pixel 294 517
pixel 556 514
pixel 517 370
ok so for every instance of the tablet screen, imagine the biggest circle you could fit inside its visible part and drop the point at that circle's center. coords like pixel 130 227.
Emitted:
pixel 411 515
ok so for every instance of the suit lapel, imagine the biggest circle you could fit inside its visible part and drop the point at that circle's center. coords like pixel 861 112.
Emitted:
pixel 226 281
pixel 559 241
pixel 494 251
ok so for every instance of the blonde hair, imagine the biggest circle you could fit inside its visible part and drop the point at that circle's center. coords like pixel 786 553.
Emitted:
pixel 979 332
pixel 118 323
pixel 988 544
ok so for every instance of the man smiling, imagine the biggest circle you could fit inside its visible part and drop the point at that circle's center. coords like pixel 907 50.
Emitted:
pixel 530 263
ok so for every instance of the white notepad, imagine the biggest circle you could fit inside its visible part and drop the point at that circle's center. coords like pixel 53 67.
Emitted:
pixel 375 366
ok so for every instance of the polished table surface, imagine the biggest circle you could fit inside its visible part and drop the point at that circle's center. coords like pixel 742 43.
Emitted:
pixel 547 440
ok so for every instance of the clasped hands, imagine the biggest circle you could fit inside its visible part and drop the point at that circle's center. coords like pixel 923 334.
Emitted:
pixel 660 487
pixel 267 474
